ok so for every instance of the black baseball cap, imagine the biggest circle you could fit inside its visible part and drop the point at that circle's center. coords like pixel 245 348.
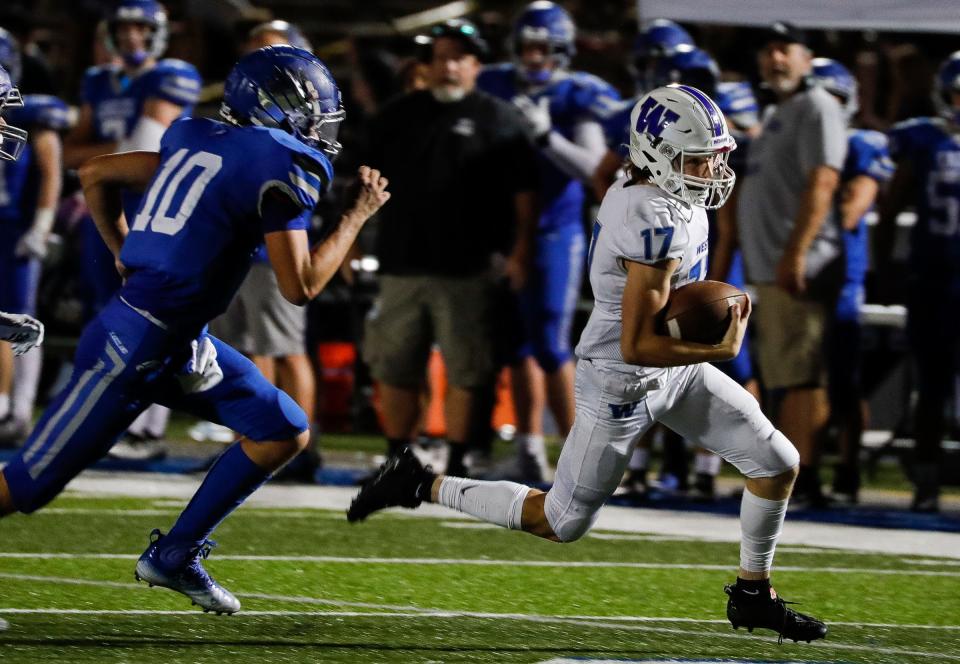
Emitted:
pixel 781 31
pixel 465 31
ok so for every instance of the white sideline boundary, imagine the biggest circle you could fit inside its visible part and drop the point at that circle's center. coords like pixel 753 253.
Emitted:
pixel 697 525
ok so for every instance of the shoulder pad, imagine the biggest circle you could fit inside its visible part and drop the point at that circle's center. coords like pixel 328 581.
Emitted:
pixel 303 174
pixel 175 81
pixel 42 111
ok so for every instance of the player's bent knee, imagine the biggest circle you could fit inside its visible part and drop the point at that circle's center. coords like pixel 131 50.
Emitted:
pixel 534 518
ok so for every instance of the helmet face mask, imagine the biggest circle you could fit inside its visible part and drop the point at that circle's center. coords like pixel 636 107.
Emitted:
pixel 12 139
pixel 678 128
pixel 286 88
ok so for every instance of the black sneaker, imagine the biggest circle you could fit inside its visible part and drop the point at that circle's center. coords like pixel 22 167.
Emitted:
pixel 704 488
pixel 771 612
pixel 846 484
pixel 397 483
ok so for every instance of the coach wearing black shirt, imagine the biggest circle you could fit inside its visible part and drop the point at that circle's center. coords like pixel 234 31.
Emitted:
pixel 463 177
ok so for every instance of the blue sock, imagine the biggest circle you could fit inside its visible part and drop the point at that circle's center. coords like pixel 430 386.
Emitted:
pixel 231 479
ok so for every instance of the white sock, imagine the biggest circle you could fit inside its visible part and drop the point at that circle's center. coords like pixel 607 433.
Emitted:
pixel 707 463
pixel 500 502
pixel 761 522
pixel 26 377
pixel 639 458
pixel 157 418
pixel 4 405
pixel 139 426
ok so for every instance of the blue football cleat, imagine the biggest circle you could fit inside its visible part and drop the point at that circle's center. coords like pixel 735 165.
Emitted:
pixel 165 566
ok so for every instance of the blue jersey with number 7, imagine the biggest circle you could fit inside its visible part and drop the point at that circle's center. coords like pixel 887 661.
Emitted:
pixel 202 216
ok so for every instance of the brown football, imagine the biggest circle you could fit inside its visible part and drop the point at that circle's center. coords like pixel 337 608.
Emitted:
pixel 700 311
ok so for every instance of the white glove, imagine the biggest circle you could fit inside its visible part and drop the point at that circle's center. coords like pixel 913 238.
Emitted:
pixel 537 114
pixel 202 371
pixel 22 331
pixel 32 244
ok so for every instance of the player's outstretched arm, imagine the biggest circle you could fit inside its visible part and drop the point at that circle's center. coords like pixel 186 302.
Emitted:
pixel 103 178
pixel 80 144
pixel 302 272
pixel 646 293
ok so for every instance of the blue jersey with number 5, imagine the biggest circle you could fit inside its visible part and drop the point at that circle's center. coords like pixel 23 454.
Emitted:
pixel 202 216
pixel 933 152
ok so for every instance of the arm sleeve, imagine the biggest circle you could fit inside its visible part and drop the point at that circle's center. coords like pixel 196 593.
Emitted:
pixel 822 140
pixel 649 232
pixel 580 157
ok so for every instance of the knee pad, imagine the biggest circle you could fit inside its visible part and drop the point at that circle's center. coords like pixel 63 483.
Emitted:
pixel 572 521
pixel 781 457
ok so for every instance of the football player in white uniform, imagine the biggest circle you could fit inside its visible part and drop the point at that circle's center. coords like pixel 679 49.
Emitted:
pixel 650 238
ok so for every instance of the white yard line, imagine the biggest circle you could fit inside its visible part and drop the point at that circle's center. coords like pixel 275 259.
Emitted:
pixel 485 562
pixel 591 621
pixel 697 525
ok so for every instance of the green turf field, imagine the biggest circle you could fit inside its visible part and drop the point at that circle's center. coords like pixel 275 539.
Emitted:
pixel 409 589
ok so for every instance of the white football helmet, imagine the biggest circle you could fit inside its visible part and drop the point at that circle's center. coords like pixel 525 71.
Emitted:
pixel 670 125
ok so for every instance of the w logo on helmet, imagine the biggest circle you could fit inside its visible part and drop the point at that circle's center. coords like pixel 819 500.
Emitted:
pixel 653 118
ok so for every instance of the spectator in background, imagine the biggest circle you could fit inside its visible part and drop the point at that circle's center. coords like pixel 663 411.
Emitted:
pixel 29 194
pixel 791 243
pixel 128 105
pixel 928 169
pixel 563 109
pixel 866 168
pixel 463 175
pixel 260 322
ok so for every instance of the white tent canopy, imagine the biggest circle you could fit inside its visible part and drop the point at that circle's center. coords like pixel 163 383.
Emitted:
pixel 896 15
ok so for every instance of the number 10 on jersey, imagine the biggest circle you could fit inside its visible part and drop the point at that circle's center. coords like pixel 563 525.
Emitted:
pixel 158 215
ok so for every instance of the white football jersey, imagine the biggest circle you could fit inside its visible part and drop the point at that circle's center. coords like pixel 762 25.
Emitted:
pixel 636 223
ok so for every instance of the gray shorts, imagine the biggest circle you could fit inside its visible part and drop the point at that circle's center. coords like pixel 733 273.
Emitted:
pixel 414 313
pixel 614 409
pixel 260 321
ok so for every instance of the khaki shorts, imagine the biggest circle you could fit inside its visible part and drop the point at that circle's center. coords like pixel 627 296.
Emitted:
pixel 413 313
pixel 260 321
pixel 790 338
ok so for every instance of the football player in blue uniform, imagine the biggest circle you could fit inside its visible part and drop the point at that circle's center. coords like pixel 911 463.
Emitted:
pixel 213 193
pixel 657 39
pixel 866 169
pixel 22 331
pixel 563 109
pixel 683 63
pixel 927 176
pixel 128 106
pixel 29 192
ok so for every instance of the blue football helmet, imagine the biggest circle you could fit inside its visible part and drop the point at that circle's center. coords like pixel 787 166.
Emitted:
pixel 948 82
pixel 838 81
pixel 688 65
pixel 10 55
pixel 286 88
pixel 147 12
pixel 656 39
pixel 738 104
pixel 549 23
pixel 12 139
pixel 292 33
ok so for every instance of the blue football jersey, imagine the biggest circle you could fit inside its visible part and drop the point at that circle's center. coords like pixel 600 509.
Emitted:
pixel 867 154
pixel 616 126
pixel 117 100
pixel 934 152
pixel 200 220
pixel 18 179
pixel 574 97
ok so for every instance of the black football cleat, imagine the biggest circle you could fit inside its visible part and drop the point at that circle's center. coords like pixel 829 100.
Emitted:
pixel 400 482
pixel 771 612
